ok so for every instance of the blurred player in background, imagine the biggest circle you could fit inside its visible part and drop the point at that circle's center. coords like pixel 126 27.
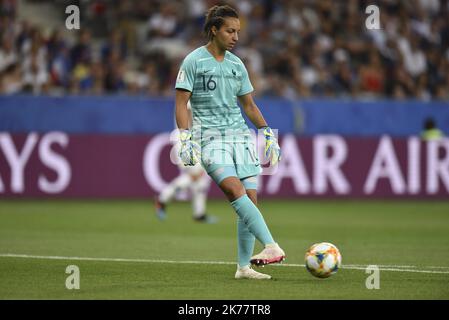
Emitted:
pixel 192 179
pixel 430 130
pixel 212 78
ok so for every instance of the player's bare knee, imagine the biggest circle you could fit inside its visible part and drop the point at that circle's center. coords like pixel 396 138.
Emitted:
pixel 232 188
pixel 234 193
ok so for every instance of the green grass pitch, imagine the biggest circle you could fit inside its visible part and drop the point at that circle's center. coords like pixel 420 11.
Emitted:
pixel 132 255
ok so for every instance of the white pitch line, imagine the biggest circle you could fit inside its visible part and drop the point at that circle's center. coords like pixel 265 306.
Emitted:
pixel 13 255
pixel 396 266
pixel 384 268
pixel 351 267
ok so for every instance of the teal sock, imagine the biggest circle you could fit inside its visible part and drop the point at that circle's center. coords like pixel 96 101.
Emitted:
pixel 245 241
pixel 253 219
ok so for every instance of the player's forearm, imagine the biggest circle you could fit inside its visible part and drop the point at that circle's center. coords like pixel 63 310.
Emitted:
pixel 255 116
pixel 182 116
pixel 181 111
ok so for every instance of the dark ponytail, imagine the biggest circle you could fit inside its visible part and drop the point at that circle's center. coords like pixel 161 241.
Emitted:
pixel 215 17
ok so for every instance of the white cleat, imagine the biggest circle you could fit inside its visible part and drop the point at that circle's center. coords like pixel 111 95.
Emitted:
pixel 272 253
pixel 248 273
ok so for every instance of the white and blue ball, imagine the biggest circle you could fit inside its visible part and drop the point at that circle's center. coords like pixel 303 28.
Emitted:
pixel 323 259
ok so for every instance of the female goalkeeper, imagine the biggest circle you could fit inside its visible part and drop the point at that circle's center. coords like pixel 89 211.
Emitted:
pixel 214 79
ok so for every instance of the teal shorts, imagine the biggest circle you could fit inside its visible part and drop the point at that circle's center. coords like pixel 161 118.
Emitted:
pixel 236 159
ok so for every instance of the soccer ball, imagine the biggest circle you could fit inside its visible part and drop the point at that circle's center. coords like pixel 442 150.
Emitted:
pixel 323 259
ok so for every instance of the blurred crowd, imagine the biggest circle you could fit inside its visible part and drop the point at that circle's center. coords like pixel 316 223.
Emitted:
pixel 292 48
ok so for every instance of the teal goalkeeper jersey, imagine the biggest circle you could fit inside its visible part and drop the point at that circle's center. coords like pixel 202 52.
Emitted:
pixel 215 87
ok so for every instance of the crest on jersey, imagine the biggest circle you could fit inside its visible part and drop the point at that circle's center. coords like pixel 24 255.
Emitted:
pixel 181 76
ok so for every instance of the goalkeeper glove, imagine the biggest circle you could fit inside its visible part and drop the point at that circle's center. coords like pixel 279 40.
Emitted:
pixel 272 149
pixel 189 151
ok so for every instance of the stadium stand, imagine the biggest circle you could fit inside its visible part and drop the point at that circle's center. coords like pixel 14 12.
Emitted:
pixel 293 49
